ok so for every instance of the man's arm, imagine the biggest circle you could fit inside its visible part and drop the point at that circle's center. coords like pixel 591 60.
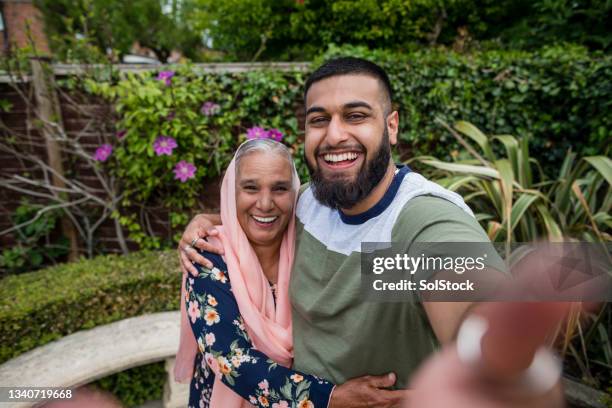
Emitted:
pixel 438 221
pixel 445 318
pixel 200 227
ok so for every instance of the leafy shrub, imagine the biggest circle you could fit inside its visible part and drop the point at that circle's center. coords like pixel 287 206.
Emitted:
pixel 137 385
pixel 34 244
pixel 289 29
pixel 520 204
pixel 39 307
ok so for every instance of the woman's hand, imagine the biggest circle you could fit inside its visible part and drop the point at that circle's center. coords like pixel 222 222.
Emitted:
pixel 201 226
pixel 368 391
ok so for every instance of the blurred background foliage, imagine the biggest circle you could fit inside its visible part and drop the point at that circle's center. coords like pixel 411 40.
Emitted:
pixel 242 30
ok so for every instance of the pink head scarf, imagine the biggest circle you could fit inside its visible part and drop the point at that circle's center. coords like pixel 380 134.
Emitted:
pixel 268 325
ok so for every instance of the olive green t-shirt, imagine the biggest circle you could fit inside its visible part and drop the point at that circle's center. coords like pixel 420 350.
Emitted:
pixel 337 334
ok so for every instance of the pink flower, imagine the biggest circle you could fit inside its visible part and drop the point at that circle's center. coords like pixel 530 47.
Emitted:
pixel 264 385
pixel 103 152
pixel 184 171
pixel 210 339
pixel 121 134
pixel 194 311
pixel 280 404
pixel 210 108
pixel 275 134
pixel 164 145
pixel 212 362
pixel 256 132
pixel 166 76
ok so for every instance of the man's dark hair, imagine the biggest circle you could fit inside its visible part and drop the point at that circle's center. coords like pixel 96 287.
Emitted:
pixel 351 66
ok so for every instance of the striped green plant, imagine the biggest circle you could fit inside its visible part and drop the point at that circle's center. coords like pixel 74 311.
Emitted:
pixel 513 198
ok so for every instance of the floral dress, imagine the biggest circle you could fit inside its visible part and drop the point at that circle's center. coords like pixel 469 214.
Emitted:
pixel 225 345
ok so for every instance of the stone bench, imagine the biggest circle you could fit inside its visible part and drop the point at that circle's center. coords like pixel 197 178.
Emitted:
pixel 88 355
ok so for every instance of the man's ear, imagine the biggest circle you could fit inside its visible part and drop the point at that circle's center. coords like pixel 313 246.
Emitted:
pixel 393 127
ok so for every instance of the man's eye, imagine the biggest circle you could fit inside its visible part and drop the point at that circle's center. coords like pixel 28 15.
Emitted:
pixel 319 119
pixel 281 189
pixel 355 116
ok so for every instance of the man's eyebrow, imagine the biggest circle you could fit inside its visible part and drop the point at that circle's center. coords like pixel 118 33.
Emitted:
pixel 314 109
pixel 357 104
pixel 349 105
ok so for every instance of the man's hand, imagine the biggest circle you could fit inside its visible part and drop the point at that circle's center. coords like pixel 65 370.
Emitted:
pixel 368 391
pixel 201 226
pixel 515 331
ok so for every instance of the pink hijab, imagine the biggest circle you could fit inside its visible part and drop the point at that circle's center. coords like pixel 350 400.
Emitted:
pixel 268 325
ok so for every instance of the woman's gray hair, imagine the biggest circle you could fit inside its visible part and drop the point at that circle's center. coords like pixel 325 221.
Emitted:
pixel 266 146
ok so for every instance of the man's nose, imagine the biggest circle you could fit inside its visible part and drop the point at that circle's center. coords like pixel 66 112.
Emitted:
pixel 336 132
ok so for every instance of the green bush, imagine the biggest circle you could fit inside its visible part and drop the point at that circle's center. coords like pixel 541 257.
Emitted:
pixel 137 385
pixel 298 30
pixel 35 245
pixel 39 307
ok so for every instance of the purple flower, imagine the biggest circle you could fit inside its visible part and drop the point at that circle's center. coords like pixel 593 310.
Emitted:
pixel 170 116
pixel 121 134
pixel 210 108
pixel 257 132
pixel 164 145
pixel 166 76
pixel 103 152
pixel 184 171
pixel 275 134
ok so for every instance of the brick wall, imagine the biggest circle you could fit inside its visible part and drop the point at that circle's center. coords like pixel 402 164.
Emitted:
pixel 18 15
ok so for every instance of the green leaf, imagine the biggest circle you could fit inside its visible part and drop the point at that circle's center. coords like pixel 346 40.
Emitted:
pixel 464 168
pixel 603 165
pixel 476 135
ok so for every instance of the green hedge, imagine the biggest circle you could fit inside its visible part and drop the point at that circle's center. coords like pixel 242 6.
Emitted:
pixel 560 97
pixel 39 307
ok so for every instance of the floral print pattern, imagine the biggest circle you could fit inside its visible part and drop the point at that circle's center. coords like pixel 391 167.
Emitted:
pixel 226 350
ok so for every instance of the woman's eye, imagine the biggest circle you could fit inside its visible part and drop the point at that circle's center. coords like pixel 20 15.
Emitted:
pixel 250 188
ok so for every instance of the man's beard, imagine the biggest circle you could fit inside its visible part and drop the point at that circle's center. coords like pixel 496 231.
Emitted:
pixel 338 192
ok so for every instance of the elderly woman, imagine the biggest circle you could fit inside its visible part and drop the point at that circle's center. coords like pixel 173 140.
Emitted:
pixel 239 309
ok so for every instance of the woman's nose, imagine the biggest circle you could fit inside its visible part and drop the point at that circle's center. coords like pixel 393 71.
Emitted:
pixel 264 202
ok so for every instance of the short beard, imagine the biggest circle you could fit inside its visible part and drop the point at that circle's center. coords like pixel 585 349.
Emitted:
pixel 338 193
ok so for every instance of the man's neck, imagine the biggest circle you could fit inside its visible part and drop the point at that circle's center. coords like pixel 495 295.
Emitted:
pixel 375 195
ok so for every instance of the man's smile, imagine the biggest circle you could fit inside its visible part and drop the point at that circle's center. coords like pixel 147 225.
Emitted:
pixel 340 160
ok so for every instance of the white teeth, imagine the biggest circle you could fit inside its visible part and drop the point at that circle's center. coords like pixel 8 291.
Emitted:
pixel 339 157
pixel 265 219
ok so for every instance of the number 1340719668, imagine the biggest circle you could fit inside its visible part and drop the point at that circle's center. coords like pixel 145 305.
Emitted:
pixel 32 394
